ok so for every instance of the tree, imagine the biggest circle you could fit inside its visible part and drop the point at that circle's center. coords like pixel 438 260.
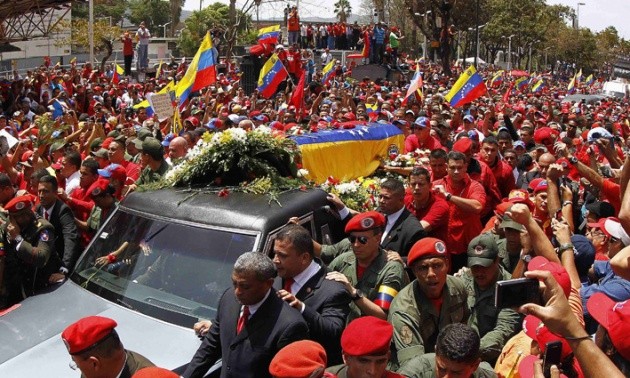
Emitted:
pixel 343 9
pixel 176 13
pixel 152 12
pixel 102 9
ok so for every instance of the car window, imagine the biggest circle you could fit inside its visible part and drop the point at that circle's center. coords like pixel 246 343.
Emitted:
pixel 168 270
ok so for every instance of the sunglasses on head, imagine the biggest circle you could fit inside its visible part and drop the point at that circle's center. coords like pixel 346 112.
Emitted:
pixel 362 239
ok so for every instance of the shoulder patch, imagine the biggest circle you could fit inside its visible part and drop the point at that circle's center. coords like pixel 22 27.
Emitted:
pixel 44 236
pixel 406 335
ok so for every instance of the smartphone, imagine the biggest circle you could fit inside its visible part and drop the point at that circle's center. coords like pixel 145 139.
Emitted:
pixel 516 292
pixel 552 356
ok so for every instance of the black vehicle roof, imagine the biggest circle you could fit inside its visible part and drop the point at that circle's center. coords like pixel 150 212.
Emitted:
pixel 249 212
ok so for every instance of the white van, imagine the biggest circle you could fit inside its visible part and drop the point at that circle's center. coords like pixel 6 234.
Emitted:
pixel 616 88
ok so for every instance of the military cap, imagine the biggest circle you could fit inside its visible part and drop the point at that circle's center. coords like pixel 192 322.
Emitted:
pixel 153 147
pixel 299 359
pixel 367 336
pixel 425 248
pixel 19 203
pixel 101 153
pixel 98 188
pixel 365 221
pixel 482 250
pixel 87 333
pixel 144 133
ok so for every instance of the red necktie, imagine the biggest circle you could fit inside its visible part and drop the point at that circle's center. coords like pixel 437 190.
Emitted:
pixel 242 320
pixel 46 215
pixel 288 282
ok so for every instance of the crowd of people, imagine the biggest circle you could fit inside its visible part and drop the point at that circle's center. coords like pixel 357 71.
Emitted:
pixel 514 184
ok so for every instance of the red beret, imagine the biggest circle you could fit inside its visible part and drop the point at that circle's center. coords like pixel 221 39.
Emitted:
pixel 367 336
pixel 534 183
pixel 541 187
pixel 365 221
pixel 98 188
pixel 463 145
pixel 19 203
pixel 426 247
pixel 501 208
pixel 86 333
pixel 545 135
pixel 154 372
pixel 298 360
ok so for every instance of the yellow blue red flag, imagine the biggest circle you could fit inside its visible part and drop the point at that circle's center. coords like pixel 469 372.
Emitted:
pixel 497 78
pixel 328 72
pixel 538 86
pixel 271 75
pixel 589 80
pixel 578 77
pixel 467 88
pixel 200 73
pixel 571 86
pixel 118 72
pixel 415 87
pixel 269 34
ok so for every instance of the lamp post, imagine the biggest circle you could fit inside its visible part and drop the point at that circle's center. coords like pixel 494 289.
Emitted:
pixel 546 48
pixel 577 17
pixel 164 26
pixel 91 29
pixel 529 59
pixel 477 43
pixel 424 44
pixel 509 64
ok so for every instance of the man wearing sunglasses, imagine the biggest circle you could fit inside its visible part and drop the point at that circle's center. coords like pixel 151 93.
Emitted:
pixel 367 275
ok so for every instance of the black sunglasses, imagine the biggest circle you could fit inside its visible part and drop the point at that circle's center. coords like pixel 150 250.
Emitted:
pixel 362 239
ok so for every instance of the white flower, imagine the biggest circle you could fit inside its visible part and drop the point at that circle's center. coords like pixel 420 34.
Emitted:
pixel 347 187
pixel 216 138
pixel 302 172
pixel 238 134
pixel 263 129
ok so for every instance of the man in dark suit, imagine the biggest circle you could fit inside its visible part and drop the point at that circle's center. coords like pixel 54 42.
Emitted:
pixel 61 217
pixel 301 283
pixel 252 324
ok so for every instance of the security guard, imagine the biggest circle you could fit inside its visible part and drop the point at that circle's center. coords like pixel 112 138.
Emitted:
pixel 494 326
pixel 152 159
pixel 102 193
pixel 431 302
pixel 27 255
pixel 371 280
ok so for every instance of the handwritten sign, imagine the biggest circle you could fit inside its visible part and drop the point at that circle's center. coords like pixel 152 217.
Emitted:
pixel 162 105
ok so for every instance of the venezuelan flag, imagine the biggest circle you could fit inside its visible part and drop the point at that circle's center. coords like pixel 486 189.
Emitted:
pixel 269 34
pixel 200 73
pixel 571 86
pixel 158 72
pixel 118 73
pixel 170 87
pixel 540 84
pixel 578 77
pixel 521 82
pixel 271 75
pixel 385 297
pixel 347 154
pixel 415 87
pixel 497 78
pixel 467 88
pixel 589 80
pixel 328 72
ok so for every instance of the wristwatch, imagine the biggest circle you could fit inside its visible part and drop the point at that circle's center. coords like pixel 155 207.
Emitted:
pixel 358 294
pixel 18 239
pixel 565 246
pixel 573 160
pixel 526 258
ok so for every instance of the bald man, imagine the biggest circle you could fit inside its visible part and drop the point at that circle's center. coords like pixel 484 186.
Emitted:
pixel 544 161
pixel 177 150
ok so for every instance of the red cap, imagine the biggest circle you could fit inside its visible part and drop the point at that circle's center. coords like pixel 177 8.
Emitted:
pixel 118 173
pixel 367 336
pixel 349 116
pixel 501 208
pixel 545 135
pixel 58 164
pixel 19 203
pixel 463 145
pixel 98 188
pixel 107 142
pixel 425 248
pixel 193 120
pixel 535 329
pixel 526 367
pixel 520 196
pixel 557 270
pixel 365 221
pixel 534 183
pixel 86 333
pixel 298 360
pixel 154 372
pixel 615 317
pixel 26 155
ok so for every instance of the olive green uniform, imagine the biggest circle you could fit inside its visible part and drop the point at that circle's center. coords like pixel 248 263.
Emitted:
pixel 96 217
pixel 379 272
pixel 341 371
pixel 507 261
pixel 416 321
pixel 330 252
pixel 148 175
pixel 424 367
pixel 29 263
pixel 494 326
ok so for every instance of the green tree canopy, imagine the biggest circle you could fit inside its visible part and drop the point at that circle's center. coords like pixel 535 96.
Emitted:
pixel 152 12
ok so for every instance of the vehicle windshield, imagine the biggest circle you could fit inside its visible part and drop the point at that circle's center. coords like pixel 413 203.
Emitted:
pixel 170 271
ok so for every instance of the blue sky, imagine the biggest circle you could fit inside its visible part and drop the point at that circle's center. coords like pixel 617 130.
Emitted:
pixel 595 14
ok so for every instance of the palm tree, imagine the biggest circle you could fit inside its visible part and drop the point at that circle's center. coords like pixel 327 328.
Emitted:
pixel 176 12
pixel 343 9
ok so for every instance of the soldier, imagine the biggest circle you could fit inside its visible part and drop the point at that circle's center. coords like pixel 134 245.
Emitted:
pixel 155 166
pixel 495 326
pixel 27 254
pixel 371 280
pixel 102 193
pixel 96 350
pixel 366 349
pixel 431 302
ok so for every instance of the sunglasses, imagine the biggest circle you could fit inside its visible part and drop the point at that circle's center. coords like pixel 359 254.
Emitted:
pixel 362 239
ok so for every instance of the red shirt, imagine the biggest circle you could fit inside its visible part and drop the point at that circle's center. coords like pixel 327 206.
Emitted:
pixel 127 46
pixel 502 172
pixel 434 213
pixel 133 171
pixel 612 192
pixel 463 226
pixel 483 174
pixel 412 143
